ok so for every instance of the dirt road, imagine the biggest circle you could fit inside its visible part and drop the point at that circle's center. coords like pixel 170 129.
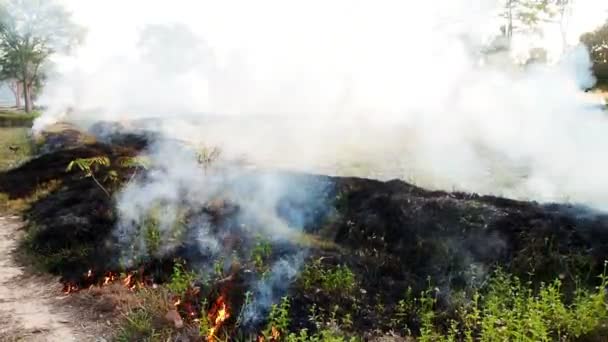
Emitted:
pixel 31 307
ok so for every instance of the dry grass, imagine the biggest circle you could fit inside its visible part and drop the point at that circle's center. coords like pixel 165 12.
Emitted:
pixel 15 146
pixel 16 205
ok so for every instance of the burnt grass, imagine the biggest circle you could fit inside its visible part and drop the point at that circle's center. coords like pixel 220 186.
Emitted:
pixel 392 235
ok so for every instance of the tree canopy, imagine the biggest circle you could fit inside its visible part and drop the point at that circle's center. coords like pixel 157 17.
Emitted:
pixel 597 43
pixel 30 32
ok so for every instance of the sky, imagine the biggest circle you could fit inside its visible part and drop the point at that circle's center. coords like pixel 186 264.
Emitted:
pixel 113 25
pixel 389 88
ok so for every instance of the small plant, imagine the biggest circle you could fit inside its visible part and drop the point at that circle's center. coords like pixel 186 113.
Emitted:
pixel 151 231
pixel 260 253
pixel 404 310
pixel 278 318
pixel 89 166
pixel 341 279
pixel 427 315
pixel 181 280
pixel 206 156
pixel 137 325
pixel 204 323
pixel 143 317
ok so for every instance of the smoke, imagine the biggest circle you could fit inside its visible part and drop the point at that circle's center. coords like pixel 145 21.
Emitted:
pixel 381 89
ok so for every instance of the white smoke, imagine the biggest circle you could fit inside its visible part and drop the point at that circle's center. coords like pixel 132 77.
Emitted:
pixel 382 89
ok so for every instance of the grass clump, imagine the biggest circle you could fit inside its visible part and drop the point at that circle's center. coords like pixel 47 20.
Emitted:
pixel 143 320
pixel 277 328
pixel 15 146
pixel 261 253
pixel 508 309
pixel 337 280
pixel 181 280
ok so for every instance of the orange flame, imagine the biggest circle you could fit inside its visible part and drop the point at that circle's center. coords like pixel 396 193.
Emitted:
pixel 221 313
pixel 90 281
pixel 69 287
pixel 274 335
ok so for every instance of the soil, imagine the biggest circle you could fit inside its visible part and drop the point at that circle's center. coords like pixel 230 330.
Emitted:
pixel 32 307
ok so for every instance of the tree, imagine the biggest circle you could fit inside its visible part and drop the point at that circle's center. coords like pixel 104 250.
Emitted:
pixel 527 16
pixel 597 43
pixel 8 76
pixel 30 32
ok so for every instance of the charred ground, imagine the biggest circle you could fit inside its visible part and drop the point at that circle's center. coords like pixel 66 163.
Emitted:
pixel 386 238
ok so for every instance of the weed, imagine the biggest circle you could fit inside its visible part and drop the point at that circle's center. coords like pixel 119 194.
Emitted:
pixel 510 310
pixel 260 253
pixel 181 280
pixel 340 280
pixel 143 319
pixel 278 318
pixel 152 235
pixel 89 166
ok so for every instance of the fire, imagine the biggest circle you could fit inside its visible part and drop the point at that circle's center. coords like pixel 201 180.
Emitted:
pixel 89 280
pixel 128 282
pixel 109 278
pixel 274 335
pixel 221 313
pixel 70 287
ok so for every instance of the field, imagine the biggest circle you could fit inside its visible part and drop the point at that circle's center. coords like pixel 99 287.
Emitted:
pixel 15 146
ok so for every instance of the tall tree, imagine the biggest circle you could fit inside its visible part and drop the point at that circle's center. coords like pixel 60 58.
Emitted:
pixel 8 76
pixel 30 32
pixel 527 16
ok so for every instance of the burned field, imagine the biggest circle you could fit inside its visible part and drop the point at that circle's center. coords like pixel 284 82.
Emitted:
pixel 234 254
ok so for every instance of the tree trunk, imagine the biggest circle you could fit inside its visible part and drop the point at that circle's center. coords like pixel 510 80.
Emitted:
pixel 15 87
pixel 27 95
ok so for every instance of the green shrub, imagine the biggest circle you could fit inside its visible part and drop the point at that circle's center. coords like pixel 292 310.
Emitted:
pixel 181 280
pixel 339 280
pixel 278 318
pixel 260 253
pixel 508 309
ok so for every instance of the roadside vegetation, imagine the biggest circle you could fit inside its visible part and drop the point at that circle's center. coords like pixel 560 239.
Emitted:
pixel 505 309
pixel 15 146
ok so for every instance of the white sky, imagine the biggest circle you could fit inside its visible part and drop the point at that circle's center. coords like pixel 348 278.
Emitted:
pixel 230 24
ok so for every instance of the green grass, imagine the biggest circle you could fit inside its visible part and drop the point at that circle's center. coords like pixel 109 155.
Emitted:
pixel 509 309
pixel 17 118
pixel 339 280
pixel 21 148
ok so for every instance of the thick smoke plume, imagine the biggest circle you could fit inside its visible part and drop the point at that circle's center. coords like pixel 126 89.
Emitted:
pixel 383 90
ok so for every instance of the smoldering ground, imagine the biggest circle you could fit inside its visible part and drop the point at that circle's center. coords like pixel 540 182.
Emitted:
pixel 374 90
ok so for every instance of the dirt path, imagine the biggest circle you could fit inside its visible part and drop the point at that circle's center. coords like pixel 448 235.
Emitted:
pixel 31 307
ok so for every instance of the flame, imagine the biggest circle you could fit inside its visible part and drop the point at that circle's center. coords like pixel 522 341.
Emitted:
pixel 221 313
pixel 89 281
pixel 109 278
pixel 275 334
pixel 128 282
pixel 70 287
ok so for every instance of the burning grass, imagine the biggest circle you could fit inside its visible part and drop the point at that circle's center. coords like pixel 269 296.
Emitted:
pixel 355 268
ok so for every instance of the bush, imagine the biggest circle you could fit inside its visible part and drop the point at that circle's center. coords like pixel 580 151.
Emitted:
pixel 339 280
